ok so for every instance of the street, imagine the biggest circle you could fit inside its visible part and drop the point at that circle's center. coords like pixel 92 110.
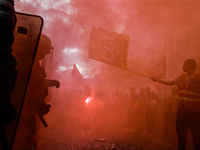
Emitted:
pixel 75 137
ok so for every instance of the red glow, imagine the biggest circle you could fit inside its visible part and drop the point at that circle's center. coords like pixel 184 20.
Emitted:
pixel 88 99
pixel 158 30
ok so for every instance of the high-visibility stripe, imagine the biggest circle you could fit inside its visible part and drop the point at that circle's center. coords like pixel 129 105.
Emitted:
pixel 188 99
pixel 189 93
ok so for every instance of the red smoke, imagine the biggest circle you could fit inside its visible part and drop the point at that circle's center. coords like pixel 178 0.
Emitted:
pixel 157 29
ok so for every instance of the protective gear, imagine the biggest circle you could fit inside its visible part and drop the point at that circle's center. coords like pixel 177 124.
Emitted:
pixel 45 41
pixel 7 14
pixel 189 97
pixel 44 47
pixel 7 61
pixel 138 105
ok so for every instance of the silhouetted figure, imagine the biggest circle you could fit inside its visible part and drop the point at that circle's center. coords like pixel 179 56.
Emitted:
pixel 151 105
pixel 188 104
pixel 35 100
pixel 139 112
pixel 169 119
pixel 7 66
pixel 131 102
pixel 7 60
pixel 75 103
pixel 120 108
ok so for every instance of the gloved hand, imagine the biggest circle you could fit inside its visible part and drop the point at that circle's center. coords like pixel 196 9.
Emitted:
pixel 44 109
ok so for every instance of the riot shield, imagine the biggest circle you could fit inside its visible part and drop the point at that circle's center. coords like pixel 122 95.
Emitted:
pixel 26 37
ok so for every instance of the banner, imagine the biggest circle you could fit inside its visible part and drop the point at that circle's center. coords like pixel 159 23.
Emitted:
pixel 109 47
pixel 158 70
pixel 75 73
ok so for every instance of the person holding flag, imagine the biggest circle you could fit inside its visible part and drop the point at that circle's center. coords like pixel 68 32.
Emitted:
pixel 188 104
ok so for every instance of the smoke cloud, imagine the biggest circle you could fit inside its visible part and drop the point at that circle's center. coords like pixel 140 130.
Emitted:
pixel 157 29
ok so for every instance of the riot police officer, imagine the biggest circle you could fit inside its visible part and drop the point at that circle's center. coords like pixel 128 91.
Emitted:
pixel 7 60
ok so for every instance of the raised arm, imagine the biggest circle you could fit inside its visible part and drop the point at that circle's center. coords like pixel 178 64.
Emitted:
pixel 51 83
pixel 165 82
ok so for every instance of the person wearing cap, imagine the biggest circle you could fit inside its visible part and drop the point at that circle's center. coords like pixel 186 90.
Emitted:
pixel 188 104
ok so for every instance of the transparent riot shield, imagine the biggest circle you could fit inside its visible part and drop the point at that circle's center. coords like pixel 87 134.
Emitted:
pixel 26 37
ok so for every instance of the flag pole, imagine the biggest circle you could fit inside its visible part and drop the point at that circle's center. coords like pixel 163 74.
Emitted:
pixel 138 73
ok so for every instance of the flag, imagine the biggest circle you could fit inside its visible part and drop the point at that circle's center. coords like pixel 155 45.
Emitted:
pixel 75 73
pixel 109 47
pixel 158 69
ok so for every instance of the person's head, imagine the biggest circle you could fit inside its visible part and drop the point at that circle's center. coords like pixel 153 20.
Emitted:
pixel 189 65
pixel 44 47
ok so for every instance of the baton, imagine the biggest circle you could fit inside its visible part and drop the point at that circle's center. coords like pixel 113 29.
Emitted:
pixel 42 120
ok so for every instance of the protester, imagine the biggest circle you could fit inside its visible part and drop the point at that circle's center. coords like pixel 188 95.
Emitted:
pixel 139 112
pixel 151 105
pixel 169 134
pixel 131 102
pixel 188 104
